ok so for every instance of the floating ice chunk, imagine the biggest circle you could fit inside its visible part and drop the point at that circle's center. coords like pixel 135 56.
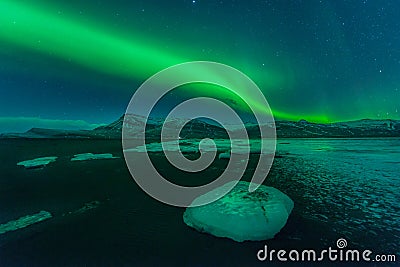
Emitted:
pixel 241 215
pixel 86 207
pixel 90 156
pixel 224 155
pixel 24 221
pixel 192 146
pixel 37 163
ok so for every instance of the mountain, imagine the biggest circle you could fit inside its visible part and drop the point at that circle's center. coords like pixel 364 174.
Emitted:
pixel 43 133
pixel 134 123
pixel 359 128
pixel 198 128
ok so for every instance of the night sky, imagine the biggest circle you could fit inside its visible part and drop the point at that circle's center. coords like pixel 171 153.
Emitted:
pixel 76 65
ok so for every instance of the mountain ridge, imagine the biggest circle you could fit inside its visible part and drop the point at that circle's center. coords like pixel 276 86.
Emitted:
pixel 198 128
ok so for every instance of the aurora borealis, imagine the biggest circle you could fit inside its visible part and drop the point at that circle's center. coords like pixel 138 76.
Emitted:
pixel 322 61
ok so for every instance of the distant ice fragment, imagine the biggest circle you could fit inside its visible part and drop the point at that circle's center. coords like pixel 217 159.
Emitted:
pixel 224 155
pixel 90 156
pixel 37 163
pixel 241 215
pixel 87 206
pixel 24 221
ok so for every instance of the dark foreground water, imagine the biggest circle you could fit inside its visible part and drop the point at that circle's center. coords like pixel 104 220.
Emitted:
pixel 342 188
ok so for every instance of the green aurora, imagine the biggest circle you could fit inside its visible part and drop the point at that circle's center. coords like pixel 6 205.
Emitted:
pixel 39 30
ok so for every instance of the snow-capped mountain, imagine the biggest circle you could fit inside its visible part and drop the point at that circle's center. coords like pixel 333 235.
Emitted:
pixel 199 128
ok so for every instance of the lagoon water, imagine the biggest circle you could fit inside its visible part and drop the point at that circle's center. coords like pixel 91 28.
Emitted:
pixel 342 188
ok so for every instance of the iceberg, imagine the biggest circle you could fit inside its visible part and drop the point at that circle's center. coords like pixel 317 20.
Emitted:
pixel 241 215
pixel 37 163
pixel 24 221
pixel 90 156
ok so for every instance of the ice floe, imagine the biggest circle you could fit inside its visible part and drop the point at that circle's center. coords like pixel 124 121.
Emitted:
pixel 224 155
pixel 37 163
pixel 86 207
pixel 24 221
pixel 91 156
pixel 237 146
pixel 241 215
